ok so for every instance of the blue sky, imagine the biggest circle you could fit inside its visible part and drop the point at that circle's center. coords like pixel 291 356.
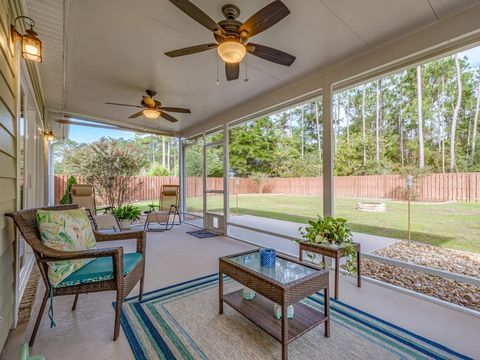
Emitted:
pixel 83 134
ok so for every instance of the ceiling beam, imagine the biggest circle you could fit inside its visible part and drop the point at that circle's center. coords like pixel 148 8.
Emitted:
pixel 53 114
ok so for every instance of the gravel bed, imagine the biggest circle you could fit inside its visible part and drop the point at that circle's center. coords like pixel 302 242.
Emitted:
pixel 426 255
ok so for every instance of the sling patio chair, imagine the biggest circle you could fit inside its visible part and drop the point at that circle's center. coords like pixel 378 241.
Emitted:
pixel 111 269
pixel 83 195
pixel 167 211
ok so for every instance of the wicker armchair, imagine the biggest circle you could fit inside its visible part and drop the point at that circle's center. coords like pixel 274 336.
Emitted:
pixel 122 282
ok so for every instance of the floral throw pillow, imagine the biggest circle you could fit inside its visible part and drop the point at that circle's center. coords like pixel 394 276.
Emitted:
pixel 67 230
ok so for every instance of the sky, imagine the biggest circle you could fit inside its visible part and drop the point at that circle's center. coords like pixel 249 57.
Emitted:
pixel 83 134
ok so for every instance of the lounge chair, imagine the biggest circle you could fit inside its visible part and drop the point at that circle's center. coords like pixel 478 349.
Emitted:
pixel 125 270
pixel 84 196
pixel 167 211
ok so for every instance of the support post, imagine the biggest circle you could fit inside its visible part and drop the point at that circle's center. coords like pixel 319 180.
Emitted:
pixel 226 178
pixel 327 150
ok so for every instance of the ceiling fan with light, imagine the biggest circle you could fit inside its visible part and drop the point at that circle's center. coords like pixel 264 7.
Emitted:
pixel 232 36
pixel 152 108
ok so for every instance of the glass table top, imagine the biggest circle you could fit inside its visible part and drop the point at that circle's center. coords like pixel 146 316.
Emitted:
pixel 284 271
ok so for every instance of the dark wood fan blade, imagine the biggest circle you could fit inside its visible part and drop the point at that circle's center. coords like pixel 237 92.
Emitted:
pixel 271 54
pixel 232 71
pixel 175 109
pixel 168 117
pixel 136 115
pixel 264 18
pixel 198 15
pixel 135 106
pixel 191 50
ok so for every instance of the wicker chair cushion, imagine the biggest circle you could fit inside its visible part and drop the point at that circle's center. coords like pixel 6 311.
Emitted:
pixel 100 269
pixel 67 230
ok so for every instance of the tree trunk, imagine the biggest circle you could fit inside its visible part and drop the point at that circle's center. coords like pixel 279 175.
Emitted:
pixel 318 132
pixel 163 151
pixel 475 124
pixel 348 119
pixel 168 155
pixel 442 123
pixel 456 110
pixel 363 127
pixel 377 125
pixel 303 132
pixel 400 130
pixel 421 150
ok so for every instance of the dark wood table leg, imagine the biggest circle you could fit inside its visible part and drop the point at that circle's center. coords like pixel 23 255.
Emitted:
pixel 220 293
pixel 284 333
pixel 326 310
pixel 359 269
pixel 337 271
pixel 301 254
pixel 323 261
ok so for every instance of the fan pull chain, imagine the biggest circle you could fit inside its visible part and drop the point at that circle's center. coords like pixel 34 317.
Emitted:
pixel 218 82
pixel 246 68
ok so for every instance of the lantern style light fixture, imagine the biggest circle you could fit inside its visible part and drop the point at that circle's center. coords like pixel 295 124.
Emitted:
pixel 49 135
pixel 31 44
pixel 232 51
pixel 151 113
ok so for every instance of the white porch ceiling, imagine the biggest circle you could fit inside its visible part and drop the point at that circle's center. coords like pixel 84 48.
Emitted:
pixel 115 51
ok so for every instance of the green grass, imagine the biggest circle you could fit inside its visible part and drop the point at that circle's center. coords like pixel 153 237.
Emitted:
pixel 449 225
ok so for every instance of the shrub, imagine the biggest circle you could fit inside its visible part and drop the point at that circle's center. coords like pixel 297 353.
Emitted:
pixel 66 198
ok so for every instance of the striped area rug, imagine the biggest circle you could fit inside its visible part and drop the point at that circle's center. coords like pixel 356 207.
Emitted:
pixel 182 322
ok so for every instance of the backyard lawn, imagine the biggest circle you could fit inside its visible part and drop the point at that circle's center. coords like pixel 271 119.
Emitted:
pixel 450 225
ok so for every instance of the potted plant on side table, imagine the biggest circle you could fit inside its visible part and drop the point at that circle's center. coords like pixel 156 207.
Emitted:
pixel 331 232
pixel 127 214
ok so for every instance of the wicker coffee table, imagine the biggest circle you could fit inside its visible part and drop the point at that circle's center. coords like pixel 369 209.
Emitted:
pixel 289 282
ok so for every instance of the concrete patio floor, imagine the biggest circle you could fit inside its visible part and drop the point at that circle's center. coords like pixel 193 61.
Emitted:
pixel 175 256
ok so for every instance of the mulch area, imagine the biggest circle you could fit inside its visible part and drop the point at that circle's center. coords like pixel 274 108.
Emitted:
pixel 426 255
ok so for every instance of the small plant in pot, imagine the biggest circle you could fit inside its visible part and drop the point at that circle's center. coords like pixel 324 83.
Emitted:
pixel 127 214
pixel 330 231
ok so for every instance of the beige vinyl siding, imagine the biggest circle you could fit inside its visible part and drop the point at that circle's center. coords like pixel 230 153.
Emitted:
pixel 8 81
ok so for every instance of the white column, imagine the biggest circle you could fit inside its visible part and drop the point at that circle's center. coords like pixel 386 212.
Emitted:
pixel 226 178
pixel 181 176
pixel 327 150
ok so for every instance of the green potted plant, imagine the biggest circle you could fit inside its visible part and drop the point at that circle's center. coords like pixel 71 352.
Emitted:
pixel 335 232
pixel 127 214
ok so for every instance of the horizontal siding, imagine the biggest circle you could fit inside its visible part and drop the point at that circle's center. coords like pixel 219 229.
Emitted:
pixel 7 297
pixel 6 267
pixel 7 120
pixel 8 80
pixel 7 95
pixel 8 167
pixel 7 238
pixel 8 189
pixel 6 207
pixel 7 142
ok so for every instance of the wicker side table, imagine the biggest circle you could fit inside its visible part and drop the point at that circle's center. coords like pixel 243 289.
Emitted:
pixel 335 253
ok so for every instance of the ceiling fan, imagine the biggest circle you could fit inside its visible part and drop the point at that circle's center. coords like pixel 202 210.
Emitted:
pixel 232 36
pixel 152 108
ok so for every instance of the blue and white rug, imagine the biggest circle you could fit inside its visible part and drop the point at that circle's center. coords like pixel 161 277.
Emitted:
pixel 182 322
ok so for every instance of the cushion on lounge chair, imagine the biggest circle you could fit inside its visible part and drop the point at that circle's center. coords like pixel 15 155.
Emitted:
pixel 66 230
pixel 100 269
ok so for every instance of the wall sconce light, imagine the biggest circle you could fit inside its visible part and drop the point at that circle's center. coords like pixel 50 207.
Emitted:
pixel 31 44
pixel 49 135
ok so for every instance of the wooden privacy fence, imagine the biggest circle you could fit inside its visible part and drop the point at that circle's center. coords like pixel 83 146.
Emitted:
pixel 434 187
